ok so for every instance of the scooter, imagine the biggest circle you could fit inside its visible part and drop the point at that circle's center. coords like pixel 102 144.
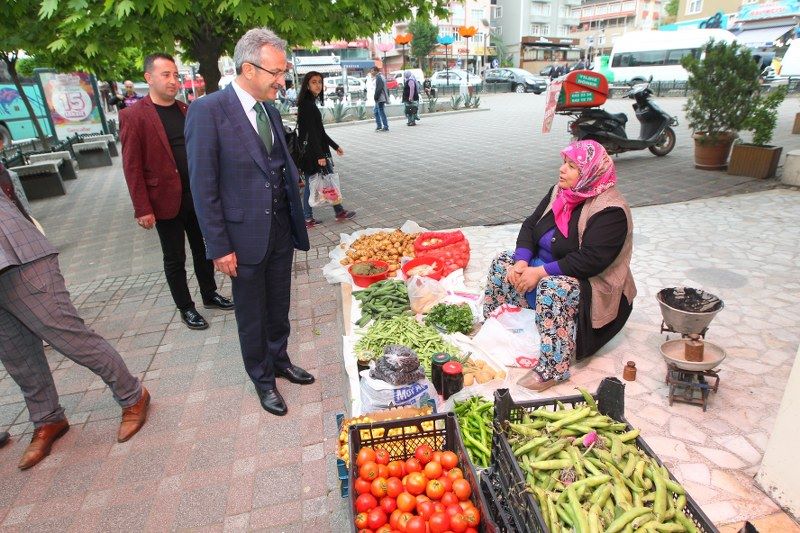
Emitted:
pixel 608 129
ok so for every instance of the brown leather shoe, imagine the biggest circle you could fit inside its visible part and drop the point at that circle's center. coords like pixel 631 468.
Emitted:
pixel 133 417
pixel 41 443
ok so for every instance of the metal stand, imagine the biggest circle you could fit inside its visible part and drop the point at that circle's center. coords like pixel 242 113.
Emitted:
pixel 690 386
pixel 668 329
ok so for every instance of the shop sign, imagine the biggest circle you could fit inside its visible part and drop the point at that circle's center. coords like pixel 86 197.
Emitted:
pixel 588 81
pixel 780 8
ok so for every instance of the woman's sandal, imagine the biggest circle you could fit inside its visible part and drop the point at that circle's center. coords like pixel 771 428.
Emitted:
pixel 533 381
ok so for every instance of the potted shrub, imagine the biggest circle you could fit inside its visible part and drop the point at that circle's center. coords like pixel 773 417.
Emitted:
pixel 722 82
pixel 759 159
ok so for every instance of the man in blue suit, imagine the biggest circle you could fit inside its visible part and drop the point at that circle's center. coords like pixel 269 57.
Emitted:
pixel 244 186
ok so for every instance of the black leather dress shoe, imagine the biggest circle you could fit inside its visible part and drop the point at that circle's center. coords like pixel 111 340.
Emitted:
pixel 3 438
pixel 272 401
pixel 295 374
pixel 218 302
pixel 193 319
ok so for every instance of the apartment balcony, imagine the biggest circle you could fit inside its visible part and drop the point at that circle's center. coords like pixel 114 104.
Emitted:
pixel 569 21
pixel 571 2
pixel 540 19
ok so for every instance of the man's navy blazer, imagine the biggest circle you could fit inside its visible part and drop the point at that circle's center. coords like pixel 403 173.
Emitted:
pixel 229 179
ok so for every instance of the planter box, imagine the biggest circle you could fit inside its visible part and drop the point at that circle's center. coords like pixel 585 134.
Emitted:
pixel 796 127
pixel 755 161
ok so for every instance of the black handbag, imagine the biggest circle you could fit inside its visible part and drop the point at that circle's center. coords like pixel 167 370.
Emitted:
pixel 297 149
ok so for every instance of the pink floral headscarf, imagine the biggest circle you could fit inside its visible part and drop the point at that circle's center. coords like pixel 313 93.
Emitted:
pixel 596 174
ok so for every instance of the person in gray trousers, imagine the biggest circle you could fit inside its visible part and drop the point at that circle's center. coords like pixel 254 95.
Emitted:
pixel 35 306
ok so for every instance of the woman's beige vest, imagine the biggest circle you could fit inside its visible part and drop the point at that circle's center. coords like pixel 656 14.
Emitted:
pixel 609 285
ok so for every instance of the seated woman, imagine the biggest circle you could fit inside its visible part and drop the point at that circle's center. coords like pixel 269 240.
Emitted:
pixel 572 265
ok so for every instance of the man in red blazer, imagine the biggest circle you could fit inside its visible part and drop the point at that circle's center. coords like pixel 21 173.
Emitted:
pixel 157 171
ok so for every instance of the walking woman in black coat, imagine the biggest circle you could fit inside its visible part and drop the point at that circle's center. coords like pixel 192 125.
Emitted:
pixel 311 131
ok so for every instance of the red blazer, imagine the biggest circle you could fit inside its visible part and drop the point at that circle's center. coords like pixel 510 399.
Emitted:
pixel 150 169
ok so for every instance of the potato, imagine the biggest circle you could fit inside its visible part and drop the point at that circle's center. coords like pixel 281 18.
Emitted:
pixel 484 375
pixel 469 379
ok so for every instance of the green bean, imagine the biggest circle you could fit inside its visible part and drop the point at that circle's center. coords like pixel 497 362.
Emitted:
pixel 555 464
pixel 580 515
pixel 588 398
pixel 573 416
pixel 660 503
pixel 684 520
pixel 625 518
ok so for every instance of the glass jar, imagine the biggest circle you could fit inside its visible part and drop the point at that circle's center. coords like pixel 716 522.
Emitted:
pixel 452 378
pixel 438 360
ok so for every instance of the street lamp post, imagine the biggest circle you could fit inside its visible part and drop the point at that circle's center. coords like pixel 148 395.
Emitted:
pixel 466 32
pixel 403 39
pixel 384 47
pixel 446 40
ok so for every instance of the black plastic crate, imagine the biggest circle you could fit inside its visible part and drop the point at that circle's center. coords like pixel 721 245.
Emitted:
pixel 524 509
pixel 498 505
pixel 440 431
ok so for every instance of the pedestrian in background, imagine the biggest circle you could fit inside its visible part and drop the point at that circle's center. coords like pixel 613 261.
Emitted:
pixel 317 155
pixel 34 307
pixel 381 98
pixel 157 173
pixel 370 84
pixel 244 186
pixel 411 98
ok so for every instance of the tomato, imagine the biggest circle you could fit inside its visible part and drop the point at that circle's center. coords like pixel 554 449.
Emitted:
pixel 396 469
pixel 423 453
pixel 453 509
pixel 473 516
pixel 455 473
pixel 393 487
pixel 458 523
pixel 381 457
pixel 439 523
pixel 433 470
pixel 385 528
pixel 425 509
pixel 448 498
pixel 416 524
pixel 413 465
pixel 361 520
pixel 402 522
pixel 422 498
pixel 366 502
pixel 383 471
pixel 461 488
pixel 437 456
pixel 365 455
pixel 388 504
pixel 434 489
pixel 416 483
pixel 471 530
pixel 447 482
pixel 368 471
pixel 365 530
pixel 466 505
pixel 362 486
pixel 438 507
pixel 394 517
pixel 406 502
pixel 376 518
pixel 449 460
pixel 378 487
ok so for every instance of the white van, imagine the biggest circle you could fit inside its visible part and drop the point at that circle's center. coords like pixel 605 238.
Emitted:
pixel 790 64
pixel 638 55
pixel 399 75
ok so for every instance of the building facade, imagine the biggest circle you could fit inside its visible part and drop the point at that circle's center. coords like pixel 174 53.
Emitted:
pixel 538 32
pixel 602 21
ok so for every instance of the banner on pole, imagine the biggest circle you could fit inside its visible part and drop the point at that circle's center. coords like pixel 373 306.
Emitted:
pixel 550 104
pixel 72 103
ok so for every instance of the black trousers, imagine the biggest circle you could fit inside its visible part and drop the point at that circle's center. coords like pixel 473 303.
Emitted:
pixel 171 232
pixel 262 293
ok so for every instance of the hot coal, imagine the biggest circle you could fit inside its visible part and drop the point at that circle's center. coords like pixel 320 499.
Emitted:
pixel 690 300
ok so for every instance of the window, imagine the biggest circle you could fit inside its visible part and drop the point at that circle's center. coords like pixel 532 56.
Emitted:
pixel 497 12
pixel 457 14
pixel 648 58
pixel 475 16
pixel 674 56
pixel 602 9
pixel 498 30
pixel 588 11
pixel 563 31
pixel 540 29
pixel 629 6
pixel 614 8
pixel 540 9
pixel 694 6
pixel 576 12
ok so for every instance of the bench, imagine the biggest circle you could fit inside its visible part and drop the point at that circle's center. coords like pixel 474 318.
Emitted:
pixel 95 137
pixel 64 160
pixel 92 154
pixel 41 180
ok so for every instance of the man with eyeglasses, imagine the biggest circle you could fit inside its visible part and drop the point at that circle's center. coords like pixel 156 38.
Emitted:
pixel 157 172
pixel 248 204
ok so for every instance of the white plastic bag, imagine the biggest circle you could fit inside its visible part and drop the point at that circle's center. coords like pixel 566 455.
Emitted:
pixel 325 189
pixel 377 395
pixel 424 293
pixel 510 335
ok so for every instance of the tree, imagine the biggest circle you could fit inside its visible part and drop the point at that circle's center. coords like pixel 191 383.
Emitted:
pixel 204 30
pixel 126 65
pixel 424 32
pixel 27 34
pixel 501 50
pixel 672 8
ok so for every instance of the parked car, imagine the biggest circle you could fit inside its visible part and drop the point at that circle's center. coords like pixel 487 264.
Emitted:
pixel 455 77
pixel 521 80
pixel 354 85
pixel 398 75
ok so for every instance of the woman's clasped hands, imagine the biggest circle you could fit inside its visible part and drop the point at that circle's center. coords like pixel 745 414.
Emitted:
pixel 524 278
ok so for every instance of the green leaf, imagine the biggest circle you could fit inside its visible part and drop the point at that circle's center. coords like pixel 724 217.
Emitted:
pixel 124 8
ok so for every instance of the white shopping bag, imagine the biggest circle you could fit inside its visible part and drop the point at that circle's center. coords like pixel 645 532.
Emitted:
pixel 510 335
pixel 324 190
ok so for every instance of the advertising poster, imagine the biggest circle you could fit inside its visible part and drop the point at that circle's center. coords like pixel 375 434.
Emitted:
pixel 72 102
pixel 550 104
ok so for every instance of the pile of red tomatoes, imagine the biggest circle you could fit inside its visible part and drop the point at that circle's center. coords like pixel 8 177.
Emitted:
pixel 426 493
